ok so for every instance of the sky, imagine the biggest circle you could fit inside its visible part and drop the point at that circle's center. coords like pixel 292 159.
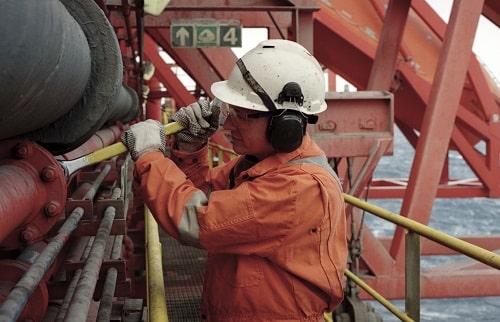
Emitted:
pixel 486 43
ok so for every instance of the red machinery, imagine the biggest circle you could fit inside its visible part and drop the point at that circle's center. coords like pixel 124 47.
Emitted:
pixel 75 72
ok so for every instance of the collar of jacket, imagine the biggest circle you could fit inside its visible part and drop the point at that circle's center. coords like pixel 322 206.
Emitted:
pixel 307 149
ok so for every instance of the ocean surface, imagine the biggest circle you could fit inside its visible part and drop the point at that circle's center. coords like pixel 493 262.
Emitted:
pixel 457 217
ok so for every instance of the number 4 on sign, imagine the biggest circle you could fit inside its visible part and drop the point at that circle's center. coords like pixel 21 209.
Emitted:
pixel 230 36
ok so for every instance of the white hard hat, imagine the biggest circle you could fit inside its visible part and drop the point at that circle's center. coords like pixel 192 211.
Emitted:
pixel 273 64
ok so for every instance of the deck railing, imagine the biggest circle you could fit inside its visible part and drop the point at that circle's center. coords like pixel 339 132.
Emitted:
pixel 220 155
pixel 412 271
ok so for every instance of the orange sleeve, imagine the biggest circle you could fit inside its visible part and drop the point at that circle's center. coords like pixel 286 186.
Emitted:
pixel 194 165
pixel 165 189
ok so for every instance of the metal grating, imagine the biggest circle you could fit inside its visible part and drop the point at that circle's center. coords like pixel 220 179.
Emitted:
pixel 183 269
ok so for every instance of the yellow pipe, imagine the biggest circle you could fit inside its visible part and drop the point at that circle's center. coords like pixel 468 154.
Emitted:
pixel 402 316
pixel 485 256
pixel 157 303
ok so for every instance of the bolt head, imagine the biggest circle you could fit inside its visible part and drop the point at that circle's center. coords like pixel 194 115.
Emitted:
pixel 52 208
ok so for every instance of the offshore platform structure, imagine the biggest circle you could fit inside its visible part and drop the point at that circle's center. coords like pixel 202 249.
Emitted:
pixel 76 73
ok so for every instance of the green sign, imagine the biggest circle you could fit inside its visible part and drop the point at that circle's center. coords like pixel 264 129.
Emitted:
pixel 192 34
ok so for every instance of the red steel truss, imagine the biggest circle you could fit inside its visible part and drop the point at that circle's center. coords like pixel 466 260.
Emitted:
pixel 443 99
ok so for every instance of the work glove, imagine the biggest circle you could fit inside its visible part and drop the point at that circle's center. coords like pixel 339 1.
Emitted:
pixel 200 120
pixel 144 137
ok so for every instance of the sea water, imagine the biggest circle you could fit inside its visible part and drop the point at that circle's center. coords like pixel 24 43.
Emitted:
pixel 457 217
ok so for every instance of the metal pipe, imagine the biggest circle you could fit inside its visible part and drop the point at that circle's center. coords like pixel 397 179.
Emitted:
pixel 68 296
pixel 125 106
pixel 412 275
pixel 80 304
pixel 108 292
pixel 157 303
pixel 16 300
pixel 49 70
pixel 484 256
pixel 31 253
pixel 153 105
pixel 28 172
pixel 74 280
pixel 46 64
pixel 17 186
pixel 97 183
pixel 99 140
pixel 388 305
pixel 117 247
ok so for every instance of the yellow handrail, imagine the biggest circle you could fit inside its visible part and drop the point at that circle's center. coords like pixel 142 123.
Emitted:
pixel 485 256
pixel 157 304
pixel 402 316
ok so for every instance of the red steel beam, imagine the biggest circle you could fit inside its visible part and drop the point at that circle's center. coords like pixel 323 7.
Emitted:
pixel 351 55
pixel 216 63
pixel 491 10
pixel 163 72
pixel 384 64
pixel 436 284
pixel 439 117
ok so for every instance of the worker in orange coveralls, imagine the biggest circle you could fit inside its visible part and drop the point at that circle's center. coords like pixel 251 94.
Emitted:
pixel 272 220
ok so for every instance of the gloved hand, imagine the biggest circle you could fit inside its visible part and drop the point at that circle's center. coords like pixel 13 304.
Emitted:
pixel 199 120
pixel 144 137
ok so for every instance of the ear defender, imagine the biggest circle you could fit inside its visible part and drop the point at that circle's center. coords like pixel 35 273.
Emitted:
pixel 286 130
pixel 287 127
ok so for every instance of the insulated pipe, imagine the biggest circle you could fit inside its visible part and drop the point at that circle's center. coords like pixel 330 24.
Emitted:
pixel 45 64
pixel 108 291
pixel 61 63
pixel 92 110
pixel 80 304
pixel 125 107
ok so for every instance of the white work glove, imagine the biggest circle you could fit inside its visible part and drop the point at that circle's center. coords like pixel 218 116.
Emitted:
pixel 199 120
pixel 144 137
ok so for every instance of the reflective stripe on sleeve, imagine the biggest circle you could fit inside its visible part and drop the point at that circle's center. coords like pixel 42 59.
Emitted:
pixel 189 228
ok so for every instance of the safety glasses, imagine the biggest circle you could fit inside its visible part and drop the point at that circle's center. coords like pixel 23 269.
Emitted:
pixel 238 116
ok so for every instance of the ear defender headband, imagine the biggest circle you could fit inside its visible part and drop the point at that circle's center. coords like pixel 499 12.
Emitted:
pixel 286 128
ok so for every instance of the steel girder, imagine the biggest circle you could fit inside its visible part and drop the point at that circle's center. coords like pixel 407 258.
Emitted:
pixel 418 62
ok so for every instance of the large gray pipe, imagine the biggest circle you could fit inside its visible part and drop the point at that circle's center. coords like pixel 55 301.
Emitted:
pixel 61 73
pixel 45 64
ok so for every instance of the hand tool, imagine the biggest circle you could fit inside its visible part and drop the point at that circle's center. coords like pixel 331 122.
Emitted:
pixel 70 166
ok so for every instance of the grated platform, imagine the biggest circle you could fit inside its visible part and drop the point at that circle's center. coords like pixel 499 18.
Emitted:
pixel 183 269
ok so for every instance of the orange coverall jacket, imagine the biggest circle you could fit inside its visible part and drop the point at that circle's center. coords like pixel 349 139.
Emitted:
pixel 276 240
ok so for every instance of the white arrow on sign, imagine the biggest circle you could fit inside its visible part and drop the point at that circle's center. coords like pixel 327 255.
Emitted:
pixel 182 34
